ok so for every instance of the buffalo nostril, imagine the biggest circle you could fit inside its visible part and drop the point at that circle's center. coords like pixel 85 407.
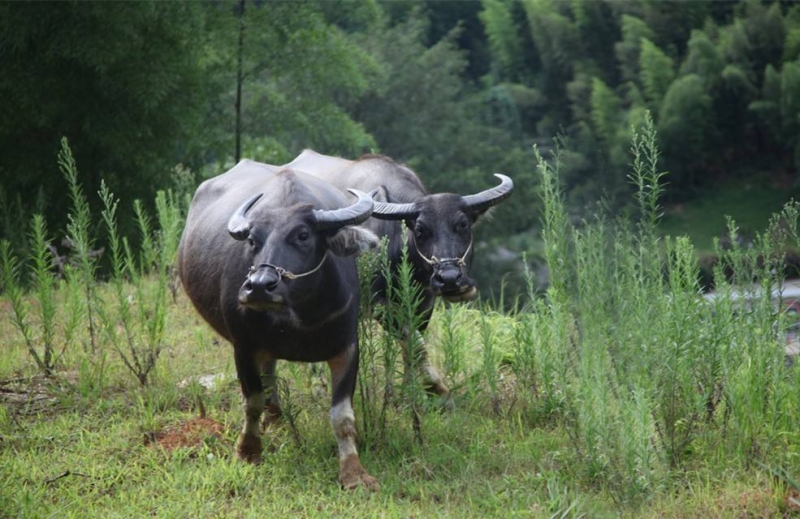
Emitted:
pixel 269 285
pixel 264 282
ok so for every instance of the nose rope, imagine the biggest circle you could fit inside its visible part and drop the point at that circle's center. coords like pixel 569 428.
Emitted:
pixel 285 274
pixel 433 260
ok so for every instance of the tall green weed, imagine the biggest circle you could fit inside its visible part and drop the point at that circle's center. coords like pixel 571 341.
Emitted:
pixel 136 328
pixel 81 269
pixel 638 366
pixel 52 313
pixel 40 332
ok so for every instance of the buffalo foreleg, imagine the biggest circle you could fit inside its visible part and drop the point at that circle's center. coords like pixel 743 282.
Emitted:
pixel 415 354
pixel 344 370
pixel 272 409
pixel 249 446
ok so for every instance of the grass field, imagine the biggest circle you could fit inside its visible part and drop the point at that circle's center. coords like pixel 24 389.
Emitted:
pixel 703 218
pixel 124 451
pixel 620 393
pixel 72 449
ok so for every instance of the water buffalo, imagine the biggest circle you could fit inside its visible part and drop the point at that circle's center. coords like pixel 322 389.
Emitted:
pixel 267 259
pixel 439 239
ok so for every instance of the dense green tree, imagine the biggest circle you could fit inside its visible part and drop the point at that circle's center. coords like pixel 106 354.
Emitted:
pixel 123 81
pixel 444 16
pixel 766 33
pixel 684 126
pixel 504 41
pixel 628 49
pixel 299 70
pixel 139 87
pixel 791 49
pixel 558 44
pixel 422 113
pixel 790 109
pixel 703 58
pixel 606 111
pixel 656 72
pixel 599 65
pixel 421 90
pixel 456 89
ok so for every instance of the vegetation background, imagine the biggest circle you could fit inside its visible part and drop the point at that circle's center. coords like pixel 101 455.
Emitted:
pixel 456 89
pixel 595 381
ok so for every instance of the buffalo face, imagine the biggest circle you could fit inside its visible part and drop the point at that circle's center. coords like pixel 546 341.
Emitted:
pixel 441 241
pixel 287 247
pixel 441 246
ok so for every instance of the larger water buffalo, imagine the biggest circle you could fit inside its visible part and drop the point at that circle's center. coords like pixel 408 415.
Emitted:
pixel 266 258
pixel 439 237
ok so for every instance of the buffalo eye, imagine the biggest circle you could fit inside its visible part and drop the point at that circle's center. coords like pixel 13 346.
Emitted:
pixel 303 236
pixel 251 241
pixel 462 225
pixel 420 231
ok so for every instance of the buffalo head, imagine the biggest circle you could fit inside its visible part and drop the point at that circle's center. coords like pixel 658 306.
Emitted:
pixel 288 246
pixel 440 242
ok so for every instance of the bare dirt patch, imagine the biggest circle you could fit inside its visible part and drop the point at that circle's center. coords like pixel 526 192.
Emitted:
pixel 754 504
pixel 188 434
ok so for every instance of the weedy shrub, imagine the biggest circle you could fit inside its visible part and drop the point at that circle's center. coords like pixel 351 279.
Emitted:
pixel 62 306
pixel 401 322
pixel 376 371
pixel 136 327
pixel 453 343
pixel 756 389
pixel 636 365
pixel 382 350
pixel 40 333
pixel 489 371
pixel 14 210
pixel 134 324
pixel 81 271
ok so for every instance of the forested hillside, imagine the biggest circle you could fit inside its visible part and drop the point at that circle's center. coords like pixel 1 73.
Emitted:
pixel 458 90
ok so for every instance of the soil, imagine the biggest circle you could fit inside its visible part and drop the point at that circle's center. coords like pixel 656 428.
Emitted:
pixel 190 433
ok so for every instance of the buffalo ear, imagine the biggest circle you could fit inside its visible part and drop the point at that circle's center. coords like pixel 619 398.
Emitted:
pixel 379 194
pixel 486 214
pixel 353 240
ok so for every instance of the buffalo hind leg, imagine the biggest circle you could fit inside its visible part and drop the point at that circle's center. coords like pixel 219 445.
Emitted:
pixel 344 370
pixel 249 446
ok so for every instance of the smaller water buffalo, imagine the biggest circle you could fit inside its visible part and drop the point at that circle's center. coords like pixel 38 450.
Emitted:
pixel 439 237
pixel 267 259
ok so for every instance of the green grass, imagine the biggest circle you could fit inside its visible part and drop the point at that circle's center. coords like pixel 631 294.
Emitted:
pixel 489 472
pixel 621 393
pixel 92 455
pixel 703 218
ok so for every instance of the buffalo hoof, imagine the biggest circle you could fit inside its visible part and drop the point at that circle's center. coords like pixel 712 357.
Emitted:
pixel 249 448
pixel 443 396
pixel 353 475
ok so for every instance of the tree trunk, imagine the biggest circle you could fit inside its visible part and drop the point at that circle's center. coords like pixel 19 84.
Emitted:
pixel 238 103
